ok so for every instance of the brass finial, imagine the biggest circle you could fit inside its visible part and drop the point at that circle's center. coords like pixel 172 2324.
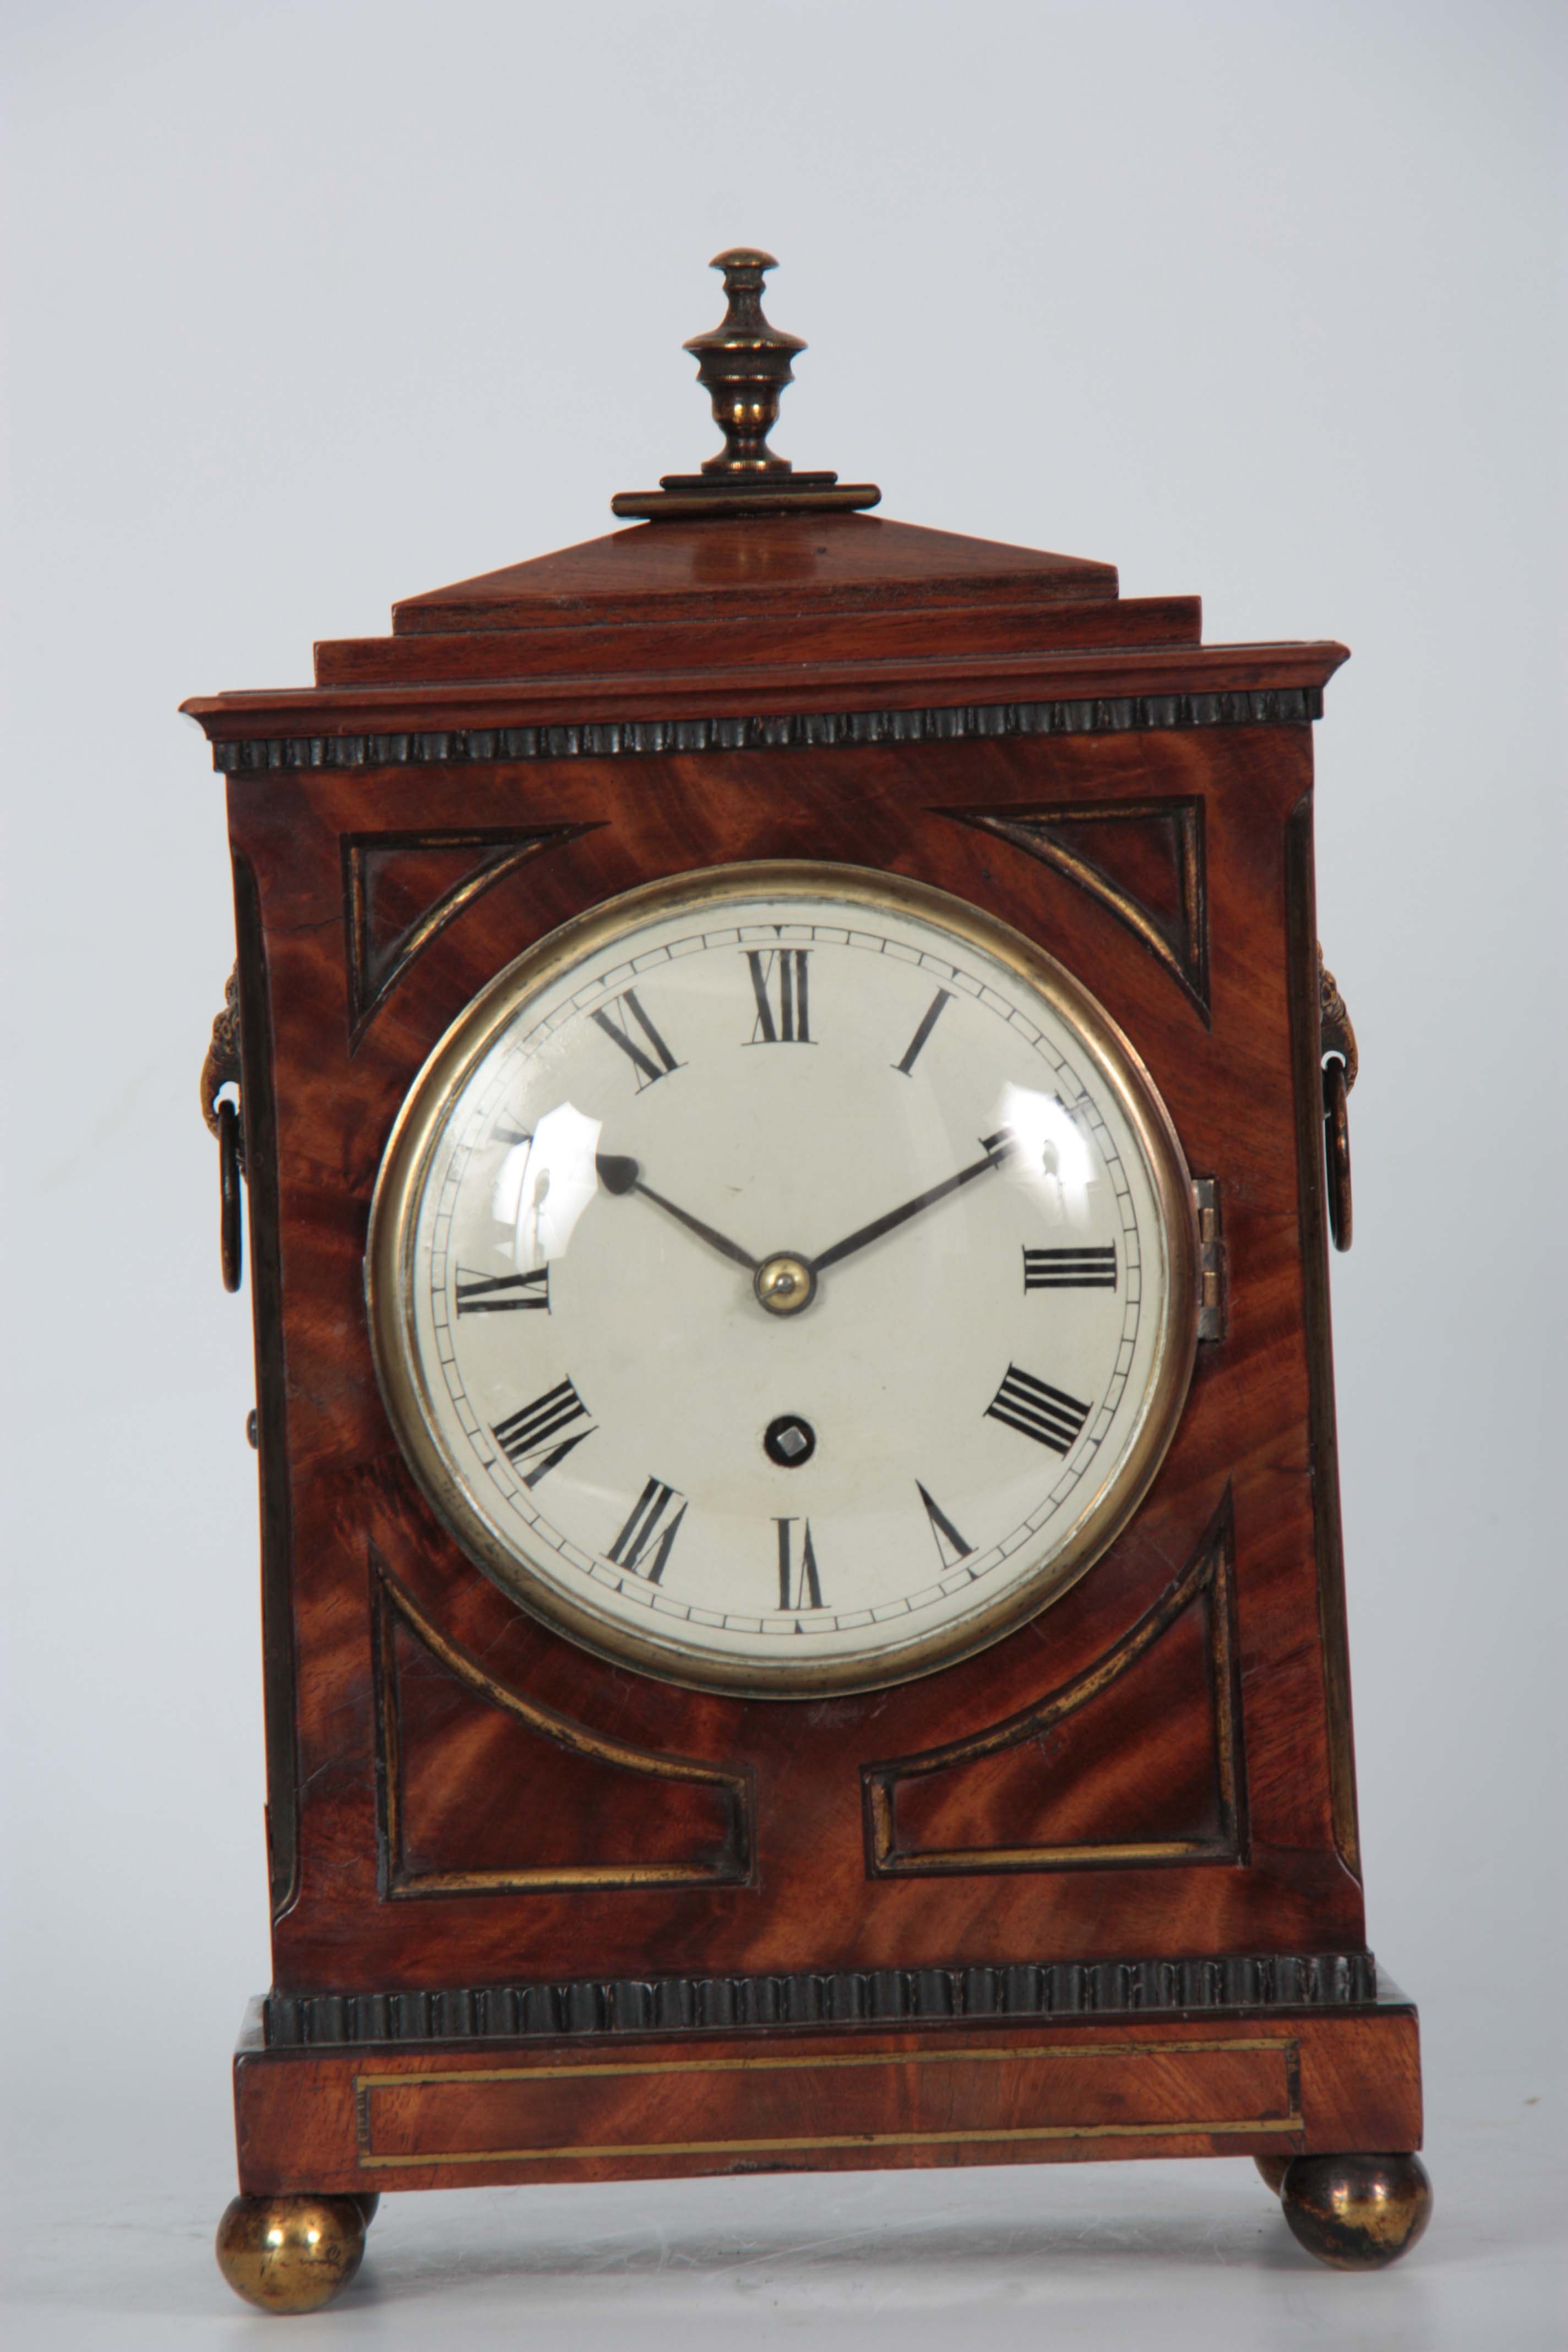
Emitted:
pixel 744 364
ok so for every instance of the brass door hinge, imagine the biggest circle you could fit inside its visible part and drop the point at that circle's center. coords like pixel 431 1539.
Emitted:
pixel 1212 1285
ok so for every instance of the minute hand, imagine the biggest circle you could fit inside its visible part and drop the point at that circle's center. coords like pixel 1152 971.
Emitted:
pixel 1001 1146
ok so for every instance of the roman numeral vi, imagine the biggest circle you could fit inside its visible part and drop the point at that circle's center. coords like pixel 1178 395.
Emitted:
pixel 800 1586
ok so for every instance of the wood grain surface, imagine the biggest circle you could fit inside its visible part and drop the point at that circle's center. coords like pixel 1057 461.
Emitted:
pixel 831 2101
pixel 440 1835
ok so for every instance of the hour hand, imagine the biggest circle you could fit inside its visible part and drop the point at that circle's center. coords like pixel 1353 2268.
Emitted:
pixel 618 1175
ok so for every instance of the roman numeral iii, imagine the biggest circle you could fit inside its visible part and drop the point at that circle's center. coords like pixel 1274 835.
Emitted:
pixel 618 1019
pixel 800 1586
pixel 779 985
pixel 1033 1407
pixel 496 1294
pixel 1070 1269
pixel 650 1528
pixel 532 1428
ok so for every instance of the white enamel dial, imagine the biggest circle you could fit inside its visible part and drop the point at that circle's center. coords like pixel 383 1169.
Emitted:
pixel 783 1279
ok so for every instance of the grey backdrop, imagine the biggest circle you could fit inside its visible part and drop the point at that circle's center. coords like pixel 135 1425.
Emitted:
pixel 319 305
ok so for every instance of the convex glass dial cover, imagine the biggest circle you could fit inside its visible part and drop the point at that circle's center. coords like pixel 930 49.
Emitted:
pixel 782 1279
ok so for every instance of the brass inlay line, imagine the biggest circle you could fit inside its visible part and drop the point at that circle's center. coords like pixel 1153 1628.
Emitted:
pixel 1287 2047
pixel 1290 2122
pixel 560 1729
pixel 1285 2043
pixel 1031 830
pixel 1207 1572
pixel 1042 1857
pixel 529 1879
pixel 368 994
pixel 1099 884
pixel 734 1785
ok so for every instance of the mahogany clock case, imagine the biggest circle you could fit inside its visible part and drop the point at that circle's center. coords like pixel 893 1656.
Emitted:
pixel 1094 1896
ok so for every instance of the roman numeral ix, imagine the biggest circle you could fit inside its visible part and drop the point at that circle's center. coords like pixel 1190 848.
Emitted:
pixel 800 1586
pixel 615 1019
pixel 530 1430
pixel 778 981
pixel 649 1529
pixel 1048 1415
pixel 498 1294
pixel 1070 1269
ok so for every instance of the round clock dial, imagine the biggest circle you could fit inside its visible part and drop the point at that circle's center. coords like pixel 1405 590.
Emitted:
pixel 783 1279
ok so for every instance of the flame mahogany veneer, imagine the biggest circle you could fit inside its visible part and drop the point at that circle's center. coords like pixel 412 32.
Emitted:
pixel 459 1798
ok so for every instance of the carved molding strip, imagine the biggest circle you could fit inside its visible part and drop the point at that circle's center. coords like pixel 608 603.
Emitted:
pixel 1027 1990
pixel 731 1868
pixel 1208 1572
pixel 374 971
pixel 1275 706
pixel 1182 948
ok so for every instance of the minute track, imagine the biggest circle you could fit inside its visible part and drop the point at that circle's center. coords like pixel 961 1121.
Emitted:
pixel 912 1523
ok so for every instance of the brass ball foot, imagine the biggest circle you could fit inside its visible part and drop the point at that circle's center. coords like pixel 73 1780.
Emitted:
pixel 1273 2169
pixel 1356 2212
pixel 367 2200
pixel 290 2253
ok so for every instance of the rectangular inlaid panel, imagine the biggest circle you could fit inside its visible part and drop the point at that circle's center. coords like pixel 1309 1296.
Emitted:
pixel 761 2106
pixel 642 2107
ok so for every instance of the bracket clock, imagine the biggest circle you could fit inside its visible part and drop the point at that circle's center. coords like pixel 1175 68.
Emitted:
pixel 792 1116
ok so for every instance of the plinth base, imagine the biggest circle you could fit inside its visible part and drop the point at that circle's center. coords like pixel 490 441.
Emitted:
pixel 360 2118
pixel 1317 2095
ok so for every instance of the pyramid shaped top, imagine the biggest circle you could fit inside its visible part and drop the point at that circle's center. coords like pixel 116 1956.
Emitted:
pixel 800 564
pixel 726 604
pixel 750 588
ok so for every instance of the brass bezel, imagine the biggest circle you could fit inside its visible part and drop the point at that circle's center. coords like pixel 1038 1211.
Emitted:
pixel 412 1143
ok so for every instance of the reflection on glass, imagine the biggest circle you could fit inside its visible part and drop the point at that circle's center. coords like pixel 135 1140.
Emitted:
pixel 546 1183
pixel 1052 1157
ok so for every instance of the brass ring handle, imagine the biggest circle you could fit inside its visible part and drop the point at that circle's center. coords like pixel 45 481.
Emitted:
pixel 1334 1027
pixel 1337 1145
pixel 220 1067
pixel 231 1230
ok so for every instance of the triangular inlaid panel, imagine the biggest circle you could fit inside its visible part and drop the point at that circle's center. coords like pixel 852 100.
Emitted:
pixel 401 889
pixel 1139 1759
pixel 1144 860
pixel 483 1790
